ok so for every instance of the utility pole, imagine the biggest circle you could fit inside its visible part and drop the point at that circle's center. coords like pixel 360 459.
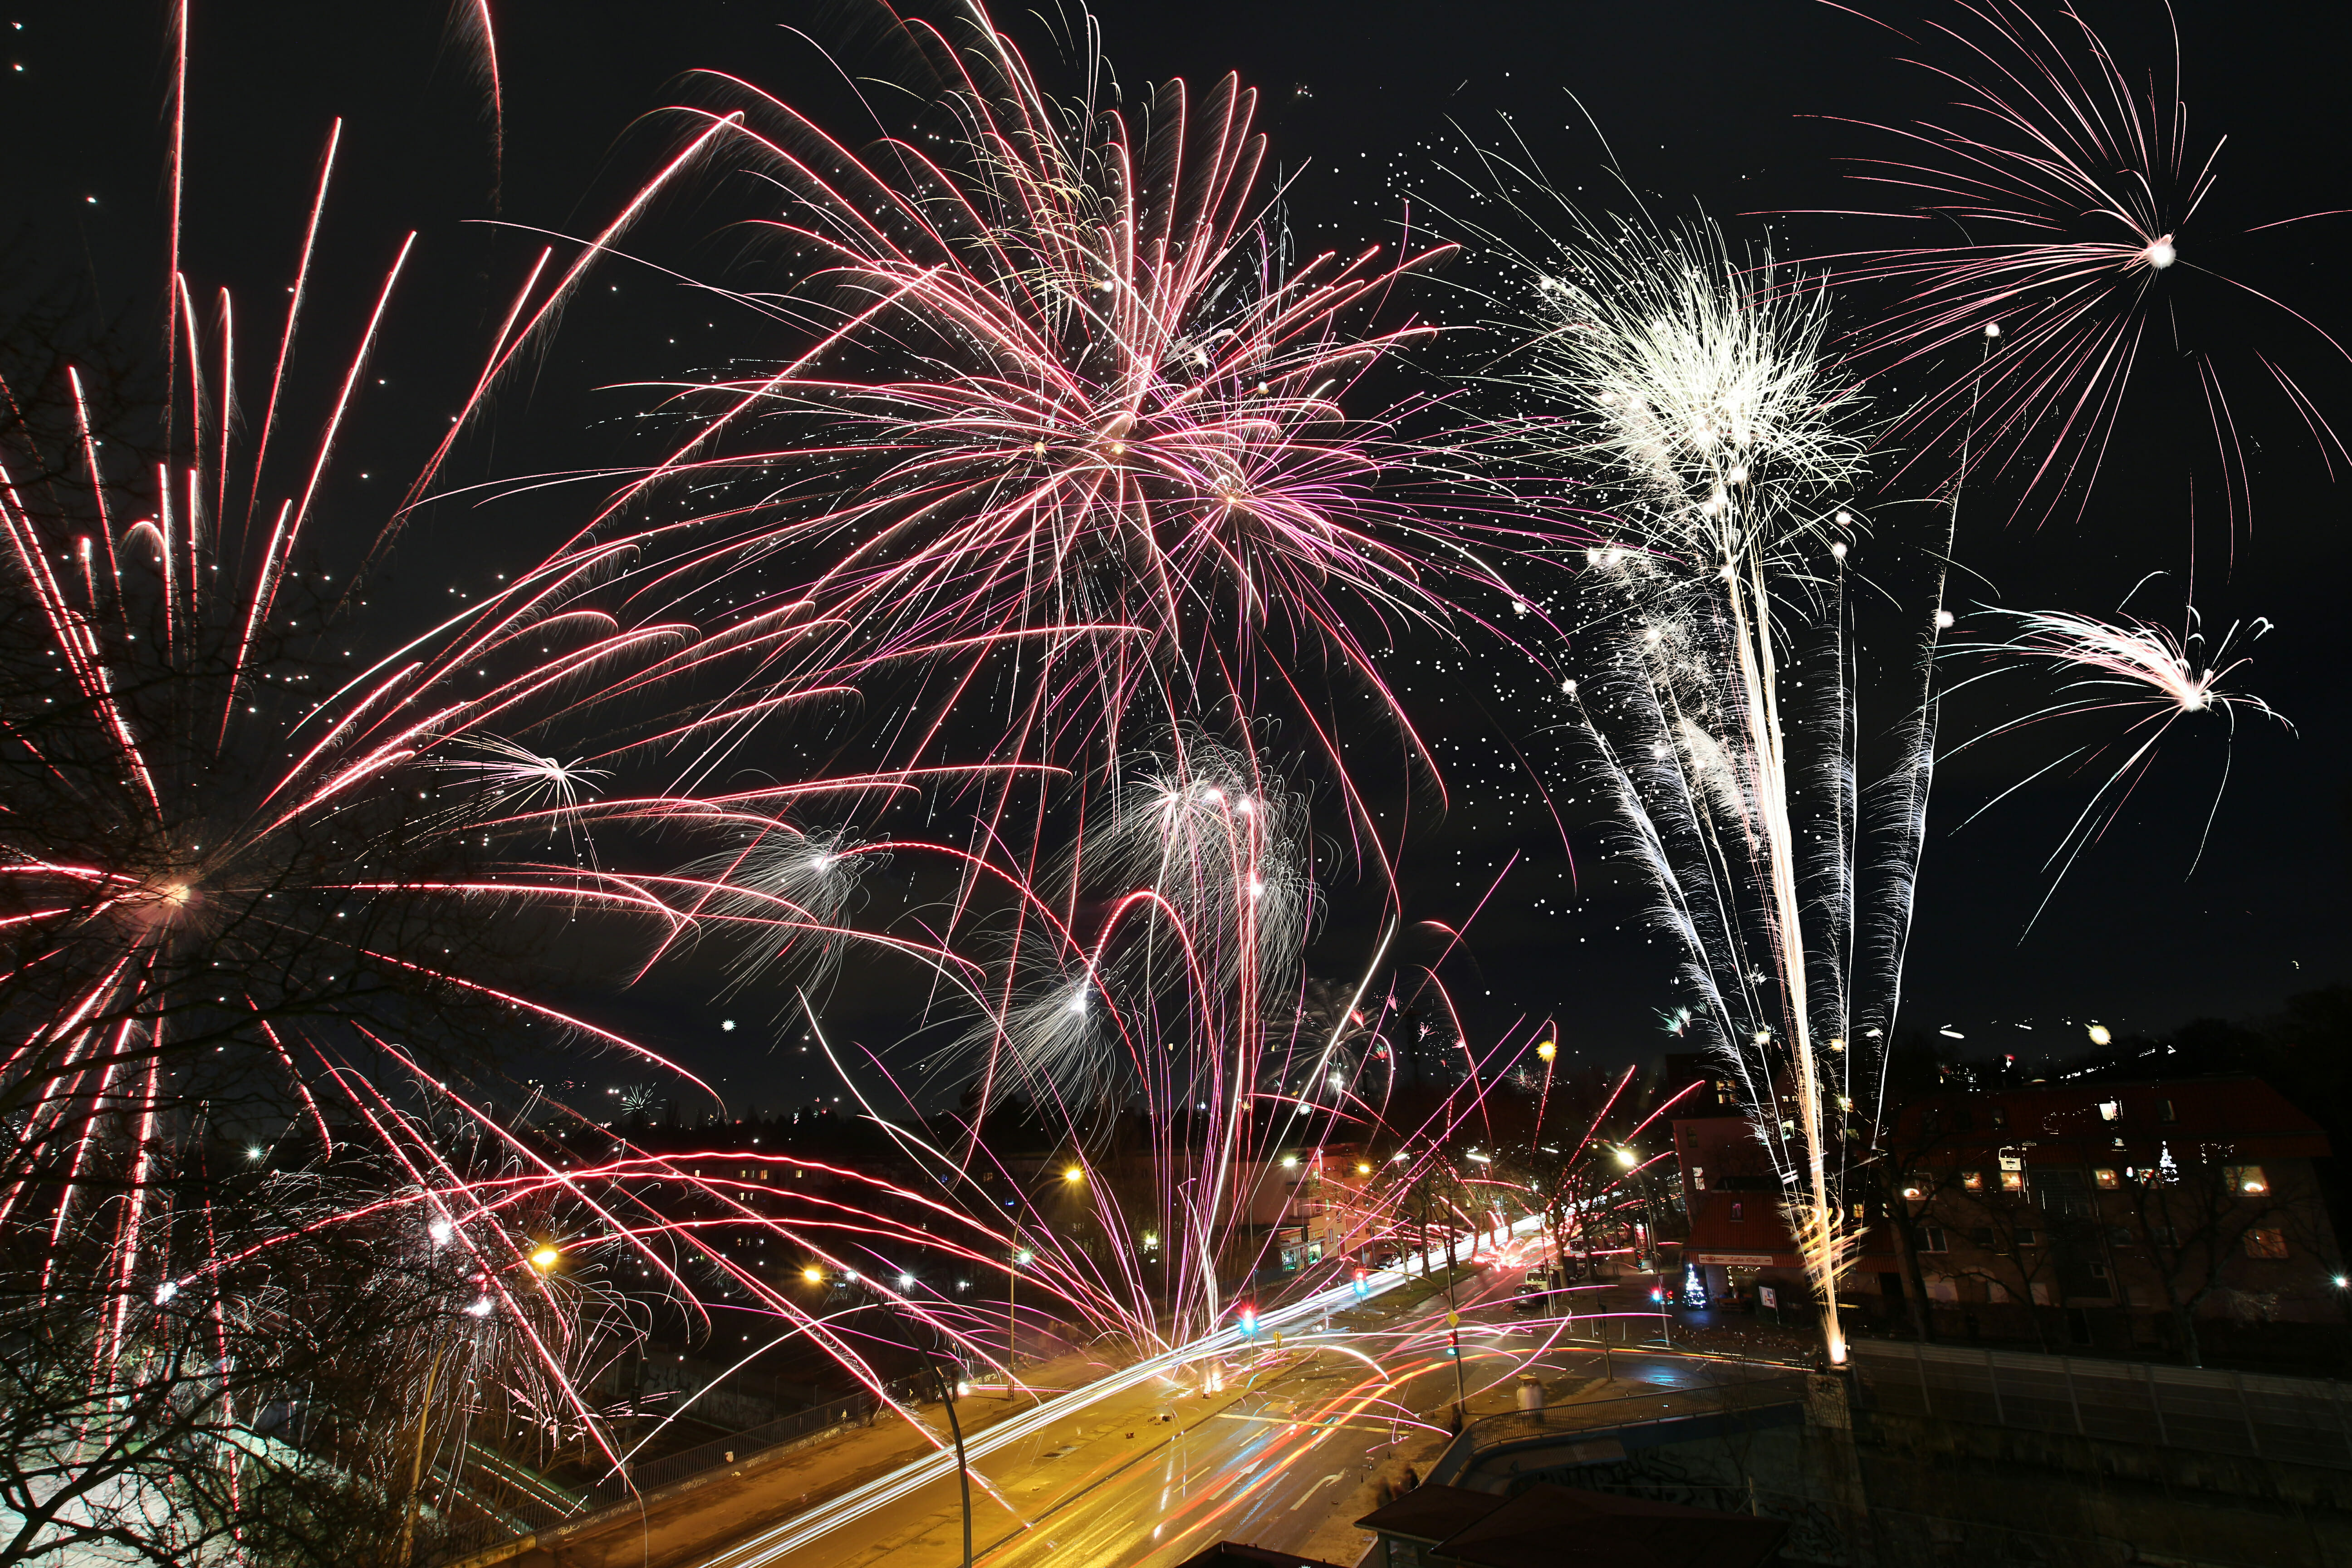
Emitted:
pixel 964 1471
pixel 1012 1289
pixel 1453 1315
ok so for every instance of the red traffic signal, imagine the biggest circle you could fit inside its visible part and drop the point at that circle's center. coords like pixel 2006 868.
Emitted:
pixel 1249 1320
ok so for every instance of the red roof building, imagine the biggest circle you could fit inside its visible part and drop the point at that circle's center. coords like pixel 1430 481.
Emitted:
pixel 2119 1213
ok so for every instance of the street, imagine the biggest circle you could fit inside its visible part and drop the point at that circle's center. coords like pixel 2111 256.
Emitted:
pixel 1152 1475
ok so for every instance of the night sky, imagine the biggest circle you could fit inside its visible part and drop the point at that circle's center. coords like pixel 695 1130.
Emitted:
pixel 1744 108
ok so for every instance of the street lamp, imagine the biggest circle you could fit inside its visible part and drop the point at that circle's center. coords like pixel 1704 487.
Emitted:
pixel 1012 1289
pixel 1074 1173
pixel 545 1258
pixel 1627 1157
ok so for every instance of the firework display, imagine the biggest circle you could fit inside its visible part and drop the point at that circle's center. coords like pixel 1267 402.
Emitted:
pixel 2074 190
pixel 999 624
pixel 2138 668
pixel 1688 377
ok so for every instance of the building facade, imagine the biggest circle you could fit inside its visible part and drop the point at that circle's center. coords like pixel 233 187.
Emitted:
pixel 2116 1216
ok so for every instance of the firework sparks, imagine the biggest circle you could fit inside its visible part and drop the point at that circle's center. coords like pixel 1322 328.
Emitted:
pixel 2133 669
pixel 2076 191
pixel 1699 388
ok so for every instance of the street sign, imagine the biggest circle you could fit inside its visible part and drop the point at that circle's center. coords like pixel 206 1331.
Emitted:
pixel 1769 1297
pixel 1452 1320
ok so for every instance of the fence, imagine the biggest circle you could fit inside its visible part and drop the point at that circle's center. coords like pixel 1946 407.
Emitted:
pixel 2294 1420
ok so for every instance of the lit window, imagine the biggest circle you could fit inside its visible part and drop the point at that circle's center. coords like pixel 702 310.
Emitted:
pixel 2111 1111
pixel 2265 1243
pixel 2013 1181
pixel 2245 1179
pixel 1972 1180
pixel 2104 1176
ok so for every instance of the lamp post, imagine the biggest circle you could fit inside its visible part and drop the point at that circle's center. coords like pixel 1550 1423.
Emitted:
pixel 1012 1289
pixel 963 1468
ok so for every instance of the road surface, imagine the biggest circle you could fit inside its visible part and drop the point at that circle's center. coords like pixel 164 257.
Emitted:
pixel 1149 1473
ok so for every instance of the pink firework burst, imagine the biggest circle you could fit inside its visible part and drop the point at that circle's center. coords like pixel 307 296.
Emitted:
pixel 1052 404
pixel 2064 202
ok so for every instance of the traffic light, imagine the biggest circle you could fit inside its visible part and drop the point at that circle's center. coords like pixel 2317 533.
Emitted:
pixel 1454 1344
pixel 1362 1283
pixel 1248 1321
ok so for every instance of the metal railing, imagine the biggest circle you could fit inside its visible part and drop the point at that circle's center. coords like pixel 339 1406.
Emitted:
pixel 506 1500
pixel 1584 1421
pixel 2295 1420
pixel 752 1440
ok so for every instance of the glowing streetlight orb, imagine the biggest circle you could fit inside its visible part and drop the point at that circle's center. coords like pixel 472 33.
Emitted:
pixel 1626 1156
pixel 2100 1035
pixel 545 1258
pixel 1074 1173
pixel 812 1274
pixel 2159 253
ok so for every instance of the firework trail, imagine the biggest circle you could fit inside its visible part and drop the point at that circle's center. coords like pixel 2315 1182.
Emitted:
pixel 248 857
pixel 1696 389
pixel 2076 195
pixel 1060 462
pixel 2133 669
pixel 1198 887
pixel 1060 435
